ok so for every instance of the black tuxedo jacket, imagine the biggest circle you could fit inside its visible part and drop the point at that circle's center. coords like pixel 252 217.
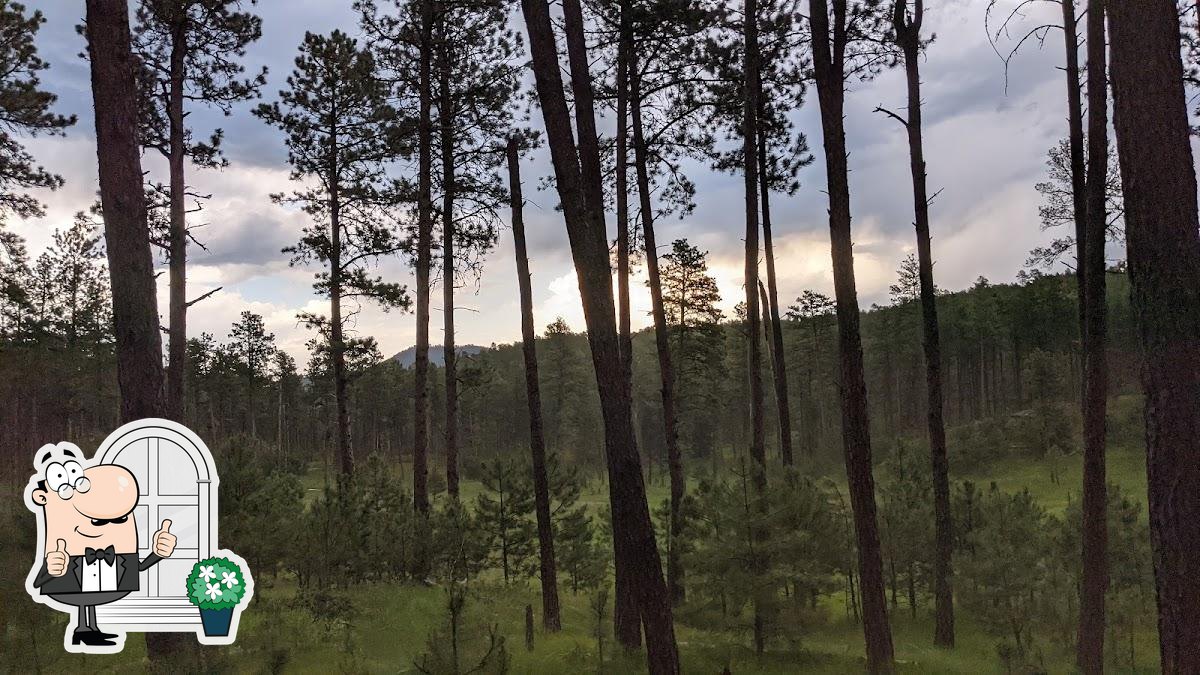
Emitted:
pixel 128 568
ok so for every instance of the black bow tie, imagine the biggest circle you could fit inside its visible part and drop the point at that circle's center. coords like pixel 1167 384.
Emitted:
pixel 106 554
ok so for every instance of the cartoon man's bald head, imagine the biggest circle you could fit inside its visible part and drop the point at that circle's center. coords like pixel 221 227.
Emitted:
pixel 88 508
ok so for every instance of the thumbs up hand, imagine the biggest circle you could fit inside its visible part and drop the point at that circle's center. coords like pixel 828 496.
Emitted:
pixel 56 560
pixel 164 541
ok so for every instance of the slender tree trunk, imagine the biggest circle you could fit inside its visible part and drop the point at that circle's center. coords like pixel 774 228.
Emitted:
pixel 455 613
pixel 279 420
pixel 750 171
pixel 579 186
pixel 424 244
pixel 177 244
pixel 910 577
pixel 250 408
pixel 627 627
pixel 908 35
pixel 503 533
pixel 893 580
pixel 853 595
pixel 445 116
pixel 829 65
pixel 337 340
pixel 1075 143
pixel 537 441
pixel 126 233
pixel 629 592
pixel 758 454
pixel 624 49
pixel 764 304
pixel 1159 181
pixel 140 375
pixel 662 336
pixel 1094 583
pixel 775 325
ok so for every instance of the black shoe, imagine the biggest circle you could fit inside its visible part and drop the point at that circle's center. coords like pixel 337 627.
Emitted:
pixel 92 638
pixel 106 636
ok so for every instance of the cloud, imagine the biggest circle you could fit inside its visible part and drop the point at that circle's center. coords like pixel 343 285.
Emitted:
pixel 240 224
pixel 985 148
pixel 217 313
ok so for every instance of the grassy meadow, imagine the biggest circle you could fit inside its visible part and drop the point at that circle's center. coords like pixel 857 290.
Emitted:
pixel 387 627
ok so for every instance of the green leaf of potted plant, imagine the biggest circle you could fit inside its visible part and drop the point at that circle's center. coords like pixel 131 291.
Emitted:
pixel 216 586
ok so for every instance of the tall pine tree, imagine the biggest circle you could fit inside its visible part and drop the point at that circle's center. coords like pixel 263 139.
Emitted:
pixel 190 52
pixel 906 25
pixel 580 188
pixel 1159 180
pixel 843 32
pixel 26 109
pixel 340 134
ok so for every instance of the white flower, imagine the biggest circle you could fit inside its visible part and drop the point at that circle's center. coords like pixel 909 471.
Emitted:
pixel 229 579
pixel 206 572
pixel 214 591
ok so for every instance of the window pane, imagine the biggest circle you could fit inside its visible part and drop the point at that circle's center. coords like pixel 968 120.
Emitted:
pixel 183 524
pixel 177 473
pixel 172 576
pixel 133 457
pixel 141 516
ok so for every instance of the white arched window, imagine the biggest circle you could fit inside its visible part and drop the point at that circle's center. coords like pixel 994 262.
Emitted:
pixel 176 481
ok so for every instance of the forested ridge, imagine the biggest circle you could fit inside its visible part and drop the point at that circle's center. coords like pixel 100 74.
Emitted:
pixel 1011 359
pixel 998 478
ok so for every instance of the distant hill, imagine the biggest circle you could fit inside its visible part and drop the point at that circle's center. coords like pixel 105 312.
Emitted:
pixel 437 354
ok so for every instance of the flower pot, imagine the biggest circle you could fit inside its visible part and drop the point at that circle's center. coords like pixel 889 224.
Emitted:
pixel 216 621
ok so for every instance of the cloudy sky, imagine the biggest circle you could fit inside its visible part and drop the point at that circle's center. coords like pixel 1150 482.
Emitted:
pixel 985 148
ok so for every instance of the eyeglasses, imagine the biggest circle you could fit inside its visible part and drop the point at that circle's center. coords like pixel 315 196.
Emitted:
pixel 67 478
pixel 82 485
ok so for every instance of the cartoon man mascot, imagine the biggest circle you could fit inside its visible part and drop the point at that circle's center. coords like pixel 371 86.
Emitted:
pixel 90 537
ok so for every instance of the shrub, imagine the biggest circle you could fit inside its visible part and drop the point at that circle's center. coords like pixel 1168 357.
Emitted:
pixel 216 583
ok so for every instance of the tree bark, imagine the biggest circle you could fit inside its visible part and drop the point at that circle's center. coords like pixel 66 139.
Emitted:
pixel 177 241
pixel 424 244
pixel 750 173
pixel 279 420
pixel 829 67
pixel 775 325
pixel 624 49
pixel 250 388
pixel 758 454
pixel 908 35
pixel 140 375
pixel 662 336
pixel 1159 182
pixel 126 233
pixel 764 304
pixel 445 113
pixel 627 627
pixel 337 339
pixel 1075 143
pixel 578 182
pixel 537 439
pixel 1094 584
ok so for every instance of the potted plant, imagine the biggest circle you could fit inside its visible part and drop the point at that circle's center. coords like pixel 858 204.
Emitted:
pixel 216 586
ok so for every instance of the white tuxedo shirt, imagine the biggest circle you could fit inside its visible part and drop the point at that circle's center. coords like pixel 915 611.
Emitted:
pixel 99 575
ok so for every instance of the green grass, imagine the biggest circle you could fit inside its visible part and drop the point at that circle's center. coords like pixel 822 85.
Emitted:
pixel 393 622
pixel 1056 481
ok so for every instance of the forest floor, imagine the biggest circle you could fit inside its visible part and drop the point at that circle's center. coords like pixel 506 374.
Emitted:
pixel 394 623
pixel 390 626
